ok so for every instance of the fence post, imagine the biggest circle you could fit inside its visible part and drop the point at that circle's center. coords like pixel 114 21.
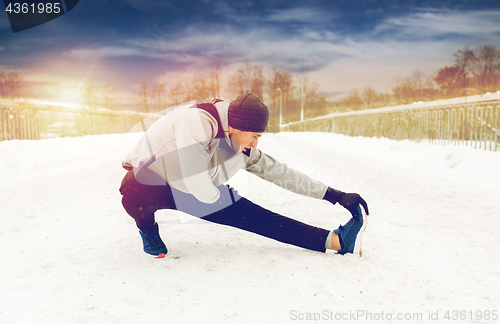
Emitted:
pixel 497 125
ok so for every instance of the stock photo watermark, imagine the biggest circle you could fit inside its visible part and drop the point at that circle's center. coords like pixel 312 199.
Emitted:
pixel 26 14
pixel 366 315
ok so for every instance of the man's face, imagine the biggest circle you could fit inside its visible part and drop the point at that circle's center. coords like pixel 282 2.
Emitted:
pixel 247 140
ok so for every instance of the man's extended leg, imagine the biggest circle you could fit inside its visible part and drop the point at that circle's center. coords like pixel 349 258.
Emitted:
pixel 246 215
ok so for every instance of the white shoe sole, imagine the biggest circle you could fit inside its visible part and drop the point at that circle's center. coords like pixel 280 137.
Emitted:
pixel 359 237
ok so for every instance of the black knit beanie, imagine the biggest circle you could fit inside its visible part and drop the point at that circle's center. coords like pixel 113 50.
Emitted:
pixel 248 113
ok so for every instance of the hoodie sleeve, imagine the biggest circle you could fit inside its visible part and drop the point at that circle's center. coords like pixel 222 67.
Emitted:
pixel 270 169
pixel 194 134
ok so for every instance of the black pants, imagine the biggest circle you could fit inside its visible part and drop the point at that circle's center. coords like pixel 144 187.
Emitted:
pixel 142 201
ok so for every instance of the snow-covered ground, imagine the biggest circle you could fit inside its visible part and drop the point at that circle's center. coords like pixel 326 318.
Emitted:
pixel 70 254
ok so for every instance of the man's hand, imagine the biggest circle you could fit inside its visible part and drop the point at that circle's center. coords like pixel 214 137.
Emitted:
pixel 347 200
pixel 227 197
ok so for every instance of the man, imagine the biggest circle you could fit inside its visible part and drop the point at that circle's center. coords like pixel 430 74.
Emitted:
pixel 184 159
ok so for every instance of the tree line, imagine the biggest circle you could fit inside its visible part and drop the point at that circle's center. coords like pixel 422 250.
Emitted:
pixel 474 71
pixel 276 88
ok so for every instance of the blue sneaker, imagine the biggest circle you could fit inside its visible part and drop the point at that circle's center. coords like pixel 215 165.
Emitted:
pixel 153 243
pixel 351 233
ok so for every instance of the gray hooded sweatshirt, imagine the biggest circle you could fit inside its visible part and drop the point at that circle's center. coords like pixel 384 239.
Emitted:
pixel 181 147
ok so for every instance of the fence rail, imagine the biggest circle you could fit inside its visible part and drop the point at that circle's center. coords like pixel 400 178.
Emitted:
pixel 471 121
pixel 22 120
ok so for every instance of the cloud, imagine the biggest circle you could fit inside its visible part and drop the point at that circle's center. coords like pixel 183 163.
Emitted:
pixel 201 42
pixel 198 48
pixel 103 52
pixel 395 47
pixel 431 24
pixel 150 5
pixel 300 14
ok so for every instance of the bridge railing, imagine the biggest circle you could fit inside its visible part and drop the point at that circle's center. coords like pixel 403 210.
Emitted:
pixel 473 120
pixel 23 120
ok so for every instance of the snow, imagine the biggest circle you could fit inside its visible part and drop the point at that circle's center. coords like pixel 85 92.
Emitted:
pixel 70 253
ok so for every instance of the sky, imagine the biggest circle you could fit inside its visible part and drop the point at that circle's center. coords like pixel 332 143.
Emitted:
pixel 341 45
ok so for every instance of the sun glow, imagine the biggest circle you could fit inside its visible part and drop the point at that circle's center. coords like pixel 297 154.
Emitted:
pixel 71 98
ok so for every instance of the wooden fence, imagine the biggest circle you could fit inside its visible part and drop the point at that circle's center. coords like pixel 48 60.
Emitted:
pixel 22 120
pixel 471 121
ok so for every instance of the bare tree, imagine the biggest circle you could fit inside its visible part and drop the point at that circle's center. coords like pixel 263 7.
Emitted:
pixel 161 91
pixel 247 79
pixel 241 82
pixel 154 93
pixel 281 87
pixel 11 85
pixel 314 103
pixel 369 97
pixel 90 94
pixel 158 94
pixel 416 87
pixel 143 94
pixel 214 75
pixel 200 89
pixel 485 67
pixel 258 82
pixel 449 81
pixel 180 92
pixel 353 101
pixel 463 62
pixel 108 96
